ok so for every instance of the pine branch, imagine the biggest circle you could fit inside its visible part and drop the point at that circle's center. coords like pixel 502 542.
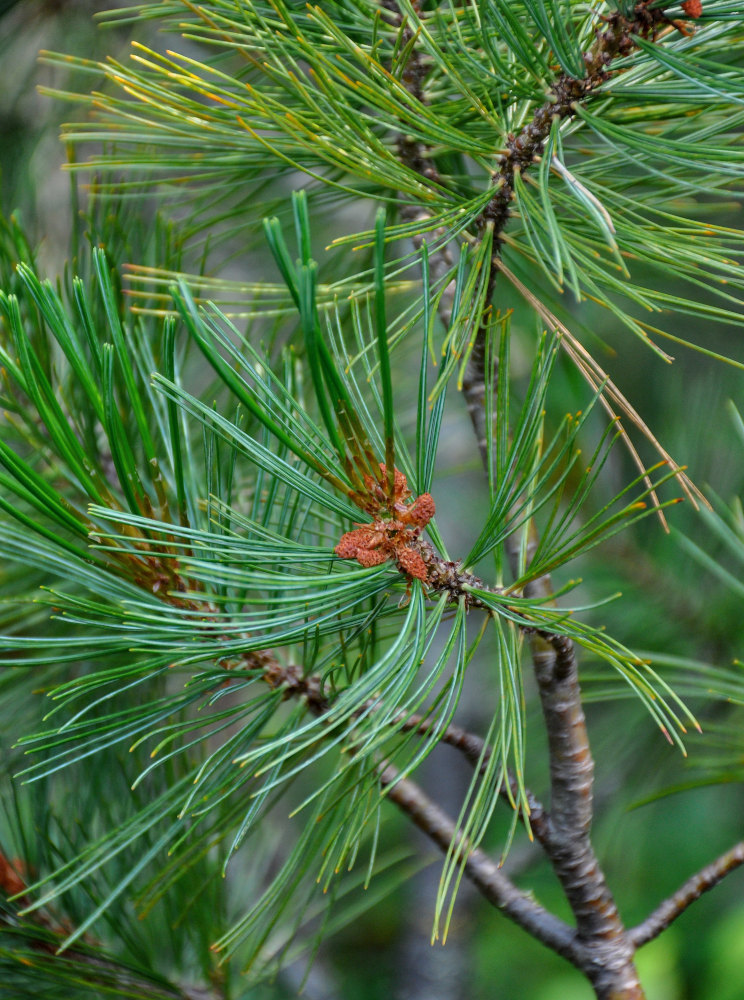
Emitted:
pixel 416 156
pixel 704 880
pixel 564 832
pixel 608 964
pixel 294 683
pixel 197 617
pixel 37 944
pixel 477 752
pixel 615 40
pixel 412 152
pixel 601 947
pixel 567 842
pixel 487 877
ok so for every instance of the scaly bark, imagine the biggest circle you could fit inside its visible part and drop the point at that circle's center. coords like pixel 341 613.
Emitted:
pixel 692 889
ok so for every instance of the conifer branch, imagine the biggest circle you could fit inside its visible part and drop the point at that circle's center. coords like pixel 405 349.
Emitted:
pixel 473 747
pixel 416 156
pixel 704 880
pixel 614 39
pixel 606 960
pixel 477 752
pixel 568 844
pixel 38 942
pixel 488 877
pixel 485 875
pixel 411 151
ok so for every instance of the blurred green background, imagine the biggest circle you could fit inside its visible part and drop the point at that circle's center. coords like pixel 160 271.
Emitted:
pixel 671 604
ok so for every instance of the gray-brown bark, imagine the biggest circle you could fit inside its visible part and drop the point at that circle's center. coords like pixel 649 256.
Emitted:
pixel 692 889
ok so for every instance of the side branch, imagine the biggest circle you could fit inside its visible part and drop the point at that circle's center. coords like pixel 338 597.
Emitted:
pixel 485 875
pixel 693 888
pixel 473 747
pixel 614 38
pixel 416 155
pixel 477 752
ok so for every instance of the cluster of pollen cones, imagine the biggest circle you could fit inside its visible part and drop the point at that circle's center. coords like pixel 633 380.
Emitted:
pixel 398 521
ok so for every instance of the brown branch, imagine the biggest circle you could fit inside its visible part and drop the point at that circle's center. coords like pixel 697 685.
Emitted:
pixel 473 747
pixel 565 833
pixel 416 155
pixel 412 152
pixel 615 39
pixel 692 889
pixel 599 945
pixel 609 969
pixel 477 752
pixel 568 842
pixel 485 875
pixel 488 878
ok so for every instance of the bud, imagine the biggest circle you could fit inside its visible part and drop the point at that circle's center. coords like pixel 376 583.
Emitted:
pixel 371 557
pixel 421 511
pixel 693 8
pixel 400 483
pixel 350 543
pixel 412 563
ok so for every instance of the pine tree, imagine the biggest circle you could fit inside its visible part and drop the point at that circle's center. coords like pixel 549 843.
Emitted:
pixel 227 597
